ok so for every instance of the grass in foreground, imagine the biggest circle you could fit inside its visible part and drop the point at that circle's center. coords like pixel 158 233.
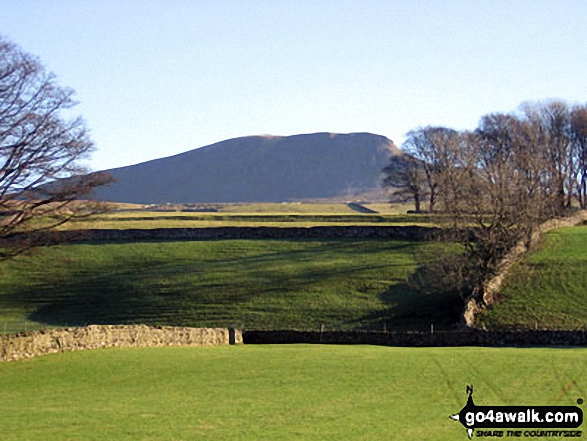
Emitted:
pixel 264 284
pixel 276 392
pixel 548 290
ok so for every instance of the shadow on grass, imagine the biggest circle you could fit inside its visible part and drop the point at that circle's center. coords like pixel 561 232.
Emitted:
pixel 107 297
pixel 430 299
pixel 300 285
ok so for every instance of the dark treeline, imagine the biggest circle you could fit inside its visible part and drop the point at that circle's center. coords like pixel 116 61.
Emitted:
pixel 495 185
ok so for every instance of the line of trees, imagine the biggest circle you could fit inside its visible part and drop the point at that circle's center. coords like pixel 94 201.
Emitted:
pixel 495 185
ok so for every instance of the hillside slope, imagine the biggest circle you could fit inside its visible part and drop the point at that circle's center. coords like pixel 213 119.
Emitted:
pixel 547 290
pixel 258 169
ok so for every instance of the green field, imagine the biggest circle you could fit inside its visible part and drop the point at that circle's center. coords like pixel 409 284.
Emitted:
pixel 276 392
pixel 144 220
pixel 253 284
pixel 286 215
pixel 548 289
pixel 276 208
pixel 253 215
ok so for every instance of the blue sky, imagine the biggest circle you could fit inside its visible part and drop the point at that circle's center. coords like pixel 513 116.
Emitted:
pixel 159 77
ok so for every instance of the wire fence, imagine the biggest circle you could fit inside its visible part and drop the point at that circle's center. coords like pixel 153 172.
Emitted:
pixel 9 327
pixel 16 327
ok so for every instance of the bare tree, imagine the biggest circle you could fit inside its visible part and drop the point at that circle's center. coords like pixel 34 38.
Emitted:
pixel 405 175
pixel 41 179
pixel 494 190
pixel 427 146
pixel 495 186
pixel 552 120
pixel 579 138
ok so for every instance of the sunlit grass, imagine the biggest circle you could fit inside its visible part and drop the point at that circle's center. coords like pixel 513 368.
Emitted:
pixel 548 289
pixel 266 284
pixel 276 392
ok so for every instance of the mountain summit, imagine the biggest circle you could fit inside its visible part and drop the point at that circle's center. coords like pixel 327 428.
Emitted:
pixel 258 169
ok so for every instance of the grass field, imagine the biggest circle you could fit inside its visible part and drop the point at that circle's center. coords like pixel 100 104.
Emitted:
pixel 276 392
pixel 144 220
pixel 548 289
pixel 254 215
pixel 262 284
pixel 282 208
pixel 128 216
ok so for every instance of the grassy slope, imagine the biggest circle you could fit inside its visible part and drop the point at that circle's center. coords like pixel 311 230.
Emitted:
pixel 276 392
pixel 549 288
pixel 256 284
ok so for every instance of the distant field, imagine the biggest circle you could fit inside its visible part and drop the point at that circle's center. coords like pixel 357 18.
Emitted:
pixel 253 215
pixel 144 220
pixel 312 208
pixel 262 284
pixel 276 392
pixel 549 288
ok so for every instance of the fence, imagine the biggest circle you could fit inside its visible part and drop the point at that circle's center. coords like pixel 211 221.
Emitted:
pixel 121 335
pixel 14 327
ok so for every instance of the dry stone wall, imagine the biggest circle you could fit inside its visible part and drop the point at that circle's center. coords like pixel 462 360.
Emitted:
pixel 50 341
pixel 468 337
pixel 493 286
pixel 414 232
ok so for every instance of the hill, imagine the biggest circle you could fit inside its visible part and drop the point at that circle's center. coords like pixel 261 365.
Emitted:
pixel 258 169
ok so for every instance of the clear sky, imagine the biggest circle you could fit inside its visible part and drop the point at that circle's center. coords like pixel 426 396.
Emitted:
pixel 159 77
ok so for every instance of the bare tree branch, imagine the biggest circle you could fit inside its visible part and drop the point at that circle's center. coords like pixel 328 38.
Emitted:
pixel 42 183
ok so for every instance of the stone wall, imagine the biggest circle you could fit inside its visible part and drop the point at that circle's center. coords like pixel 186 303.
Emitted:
pixel 228 233
pixel 50 341
pixel 34 344
pixel 473 337
pixel 493 286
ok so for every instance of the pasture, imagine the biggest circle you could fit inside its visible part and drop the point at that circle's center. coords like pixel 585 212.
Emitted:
pixel 548 289
pixel 144 220
pixel 251 215
pixel 253 284
pixel 276 392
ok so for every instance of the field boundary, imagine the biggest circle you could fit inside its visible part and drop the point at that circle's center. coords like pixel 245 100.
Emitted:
pixel 474 307
pixel 419 233
pixel 51 341
pixel 473 337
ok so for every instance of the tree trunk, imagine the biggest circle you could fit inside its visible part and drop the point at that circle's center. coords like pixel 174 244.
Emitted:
pixel 432 200
pixel 417 204
pixel 583 192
